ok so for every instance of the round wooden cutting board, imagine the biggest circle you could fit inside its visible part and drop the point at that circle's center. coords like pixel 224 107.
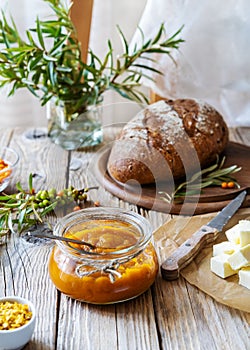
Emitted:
pixel 211 199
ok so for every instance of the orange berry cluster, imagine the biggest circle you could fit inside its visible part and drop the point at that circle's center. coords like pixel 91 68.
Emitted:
pixel 229 184
pixel 4 174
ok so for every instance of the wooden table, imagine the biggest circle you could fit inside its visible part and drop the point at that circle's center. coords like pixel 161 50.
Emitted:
pixel 171 315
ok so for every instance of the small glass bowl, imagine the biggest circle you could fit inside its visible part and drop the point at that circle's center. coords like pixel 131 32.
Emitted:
pixel 19 337
pixel 10 158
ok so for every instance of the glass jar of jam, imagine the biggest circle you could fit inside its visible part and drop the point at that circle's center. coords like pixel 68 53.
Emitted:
pixel 121 265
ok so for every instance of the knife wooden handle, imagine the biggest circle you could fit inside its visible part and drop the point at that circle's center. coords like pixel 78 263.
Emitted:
pixel 186 252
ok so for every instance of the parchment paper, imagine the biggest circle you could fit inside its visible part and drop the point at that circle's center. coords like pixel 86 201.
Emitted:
pixel 226 291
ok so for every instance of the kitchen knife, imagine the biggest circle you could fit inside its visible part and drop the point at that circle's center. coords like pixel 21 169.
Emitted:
pixel 186 252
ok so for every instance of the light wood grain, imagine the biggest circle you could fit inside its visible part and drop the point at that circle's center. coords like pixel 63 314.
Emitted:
pixel 170 316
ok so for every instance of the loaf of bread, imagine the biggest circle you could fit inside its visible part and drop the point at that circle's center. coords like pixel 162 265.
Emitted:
pixel 170 138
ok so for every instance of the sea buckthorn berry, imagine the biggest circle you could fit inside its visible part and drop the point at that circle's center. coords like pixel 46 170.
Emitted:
pixel 44 195
pixel 76 208
pixel 230 184
pixel 52 192
pixel 224 185
pixel 45 202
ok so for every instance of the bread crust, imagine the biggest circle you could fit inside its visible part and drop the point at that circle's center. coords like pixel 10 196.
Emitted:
pixel 170 138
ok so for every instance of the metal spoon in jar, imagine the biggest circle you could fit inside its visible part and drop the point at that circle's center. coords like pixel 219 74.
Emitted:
pixel 65 239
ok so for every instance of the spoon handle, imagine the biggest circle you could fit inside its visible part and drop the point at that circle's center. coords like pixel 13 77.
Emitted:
pixel 59 238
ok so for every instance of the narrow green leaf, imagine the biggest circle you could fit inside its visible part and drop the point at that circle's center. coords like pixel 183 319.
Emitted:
pixel 35 63
pixel 171 40
pixel 49 208
pixel 32 90
pixel 157 50
pixel 30 38
pixel 10 223
pixel 63 69
pixel 124 41
pixel 27 82
pixel 49 58
pixel 19 187
pixel 36 213
pixel 39 33
pixel 57 47
pixel 148 68
pixel 21 218
pixel 52 74
pixel 158 35
pixel 30 182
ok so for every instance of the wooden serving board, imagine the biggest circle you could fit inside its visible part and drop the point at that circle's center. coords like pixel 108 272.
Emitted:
pixel 211 199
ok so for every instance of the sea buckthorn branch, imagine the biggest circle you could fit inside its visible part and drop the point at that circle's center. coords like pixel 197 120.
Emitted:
pixel 215 175
pixel 23 209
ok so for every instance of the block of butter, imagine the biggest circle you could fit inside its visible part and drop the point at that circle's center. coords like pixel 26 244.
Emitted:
pixel 220 266
pixel 225 248
pixel 244 237
pixel 240 258
pixel 240 233
pixel 244 277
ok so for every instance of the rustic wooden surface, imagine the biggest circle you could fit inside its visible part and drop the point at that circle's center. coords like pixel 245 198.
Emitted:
pixel 171 315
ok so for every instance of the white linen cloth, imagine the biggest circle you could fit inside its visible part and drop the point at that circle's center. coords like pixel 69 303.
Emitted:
pixel 213 64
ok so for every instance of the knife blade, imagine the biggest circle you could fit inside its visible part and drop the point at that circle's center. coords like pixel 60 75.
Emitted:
pixel 186 252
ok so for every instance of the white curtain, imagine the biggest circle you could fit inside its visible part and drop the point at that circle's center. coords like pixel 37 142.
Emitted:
pixel 213 62
pixel 23 109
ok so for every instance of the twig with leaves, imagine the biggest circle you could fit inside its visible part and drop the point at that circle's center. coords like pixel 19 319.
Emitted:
pixel 23 209
pixel 214 175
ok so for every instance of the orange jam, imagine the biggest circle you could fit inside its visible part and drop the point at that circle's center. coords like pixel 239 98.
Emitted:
pixel 122 265
pixel 5 171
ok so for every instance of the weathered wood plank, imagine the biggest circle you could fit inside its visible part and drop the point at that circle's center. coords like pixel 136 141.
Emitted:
pixel 171 315
pixel 136 327
pixel 232 326
pixel 5 136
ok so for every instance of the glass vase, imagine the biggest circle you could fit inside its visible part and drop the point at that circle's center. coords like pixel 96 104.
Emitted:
pixel 76 129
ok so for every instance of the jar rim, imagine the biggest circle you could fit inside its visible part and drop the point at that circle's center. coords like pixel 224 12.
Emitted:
pixel 108 213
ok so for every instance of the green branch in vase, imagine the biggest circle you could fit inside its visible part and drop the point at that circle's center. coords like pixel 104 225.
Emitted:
pixel 49 64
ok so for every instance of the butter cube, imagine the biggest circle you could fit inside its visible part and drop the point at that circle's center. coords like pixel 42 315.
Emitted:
pixel 244 238
pixel 240 259
pixel 220 266
pixel 234 233
pixel 244 277
pixel 224 248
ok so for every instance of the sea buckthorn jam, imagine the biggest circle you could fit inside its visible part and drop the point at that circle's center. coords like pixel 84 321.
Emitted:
pixel 122 265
